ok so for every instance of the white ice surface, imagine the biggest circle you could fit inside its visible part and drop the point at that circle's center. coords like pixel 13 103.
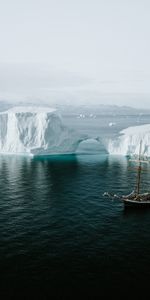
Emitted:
pixel 128 143
pixel 35 131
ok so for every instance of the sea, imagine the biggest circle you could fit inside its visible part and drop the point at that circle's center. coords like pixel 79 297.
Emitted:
pixel 59 236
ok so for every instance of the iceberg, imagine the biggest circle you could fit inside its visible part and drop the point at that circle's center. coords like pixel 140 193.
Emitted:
pixel 128 142
pixel 36 131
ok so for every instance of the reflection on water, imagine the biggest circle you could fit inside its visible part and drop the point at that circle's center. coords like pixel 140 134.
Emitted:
pixel 58 230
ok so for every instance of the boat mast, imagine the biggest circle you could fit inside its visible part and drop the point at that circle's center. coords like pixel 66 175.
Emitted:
pixel 139 170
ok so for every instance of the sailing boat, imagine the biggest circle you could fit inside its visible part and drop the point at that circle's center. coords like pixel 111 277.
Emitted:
pixel 135 199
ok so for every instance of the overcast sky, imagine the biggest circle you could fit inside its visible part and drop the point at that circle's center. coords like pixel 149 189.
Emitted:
pixel 83 50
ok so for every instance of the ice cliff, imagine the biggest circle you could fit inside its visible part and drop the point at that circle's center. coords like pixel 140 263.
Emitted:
pixel 128 142
pixel 36 131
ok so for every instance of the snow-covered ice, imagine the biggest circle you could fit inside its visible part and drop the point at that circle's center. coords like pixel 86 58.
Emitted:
pixel 128 142
pixel 36 131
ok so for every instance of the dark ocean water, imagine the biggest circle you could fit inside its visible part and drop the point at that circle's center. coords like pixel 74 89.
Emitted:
pixel 59 236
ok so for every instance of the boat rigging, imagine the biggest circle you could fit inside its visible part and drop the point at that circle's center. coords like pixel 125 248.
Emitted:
pixel 135 198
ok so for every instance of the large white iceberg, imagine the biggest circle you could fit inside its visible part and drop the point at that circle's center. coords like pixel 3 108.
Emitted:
pixel 128 142
pixel 36 131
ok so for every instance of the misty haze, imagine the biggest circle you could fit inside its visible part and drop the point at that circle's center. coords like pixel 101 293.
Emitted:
pixel 74 148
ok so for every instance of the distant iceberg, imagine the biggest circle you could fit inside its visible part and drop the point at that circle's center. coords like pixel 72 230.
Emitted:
pixel 128 142
pixel 36 131
pixel 111 124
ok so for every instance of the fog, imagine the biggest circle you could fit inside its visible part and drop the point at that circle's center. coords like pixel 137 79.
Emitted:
pixel 75 51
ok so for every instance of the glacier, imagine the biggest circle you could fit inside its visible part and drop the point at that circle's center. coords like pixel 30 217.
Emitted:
pixel 128 141
pixel 36 131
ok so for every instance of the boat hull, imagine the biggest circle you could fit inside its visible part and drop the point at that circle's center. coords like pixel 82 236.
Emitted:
pixel 128 203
